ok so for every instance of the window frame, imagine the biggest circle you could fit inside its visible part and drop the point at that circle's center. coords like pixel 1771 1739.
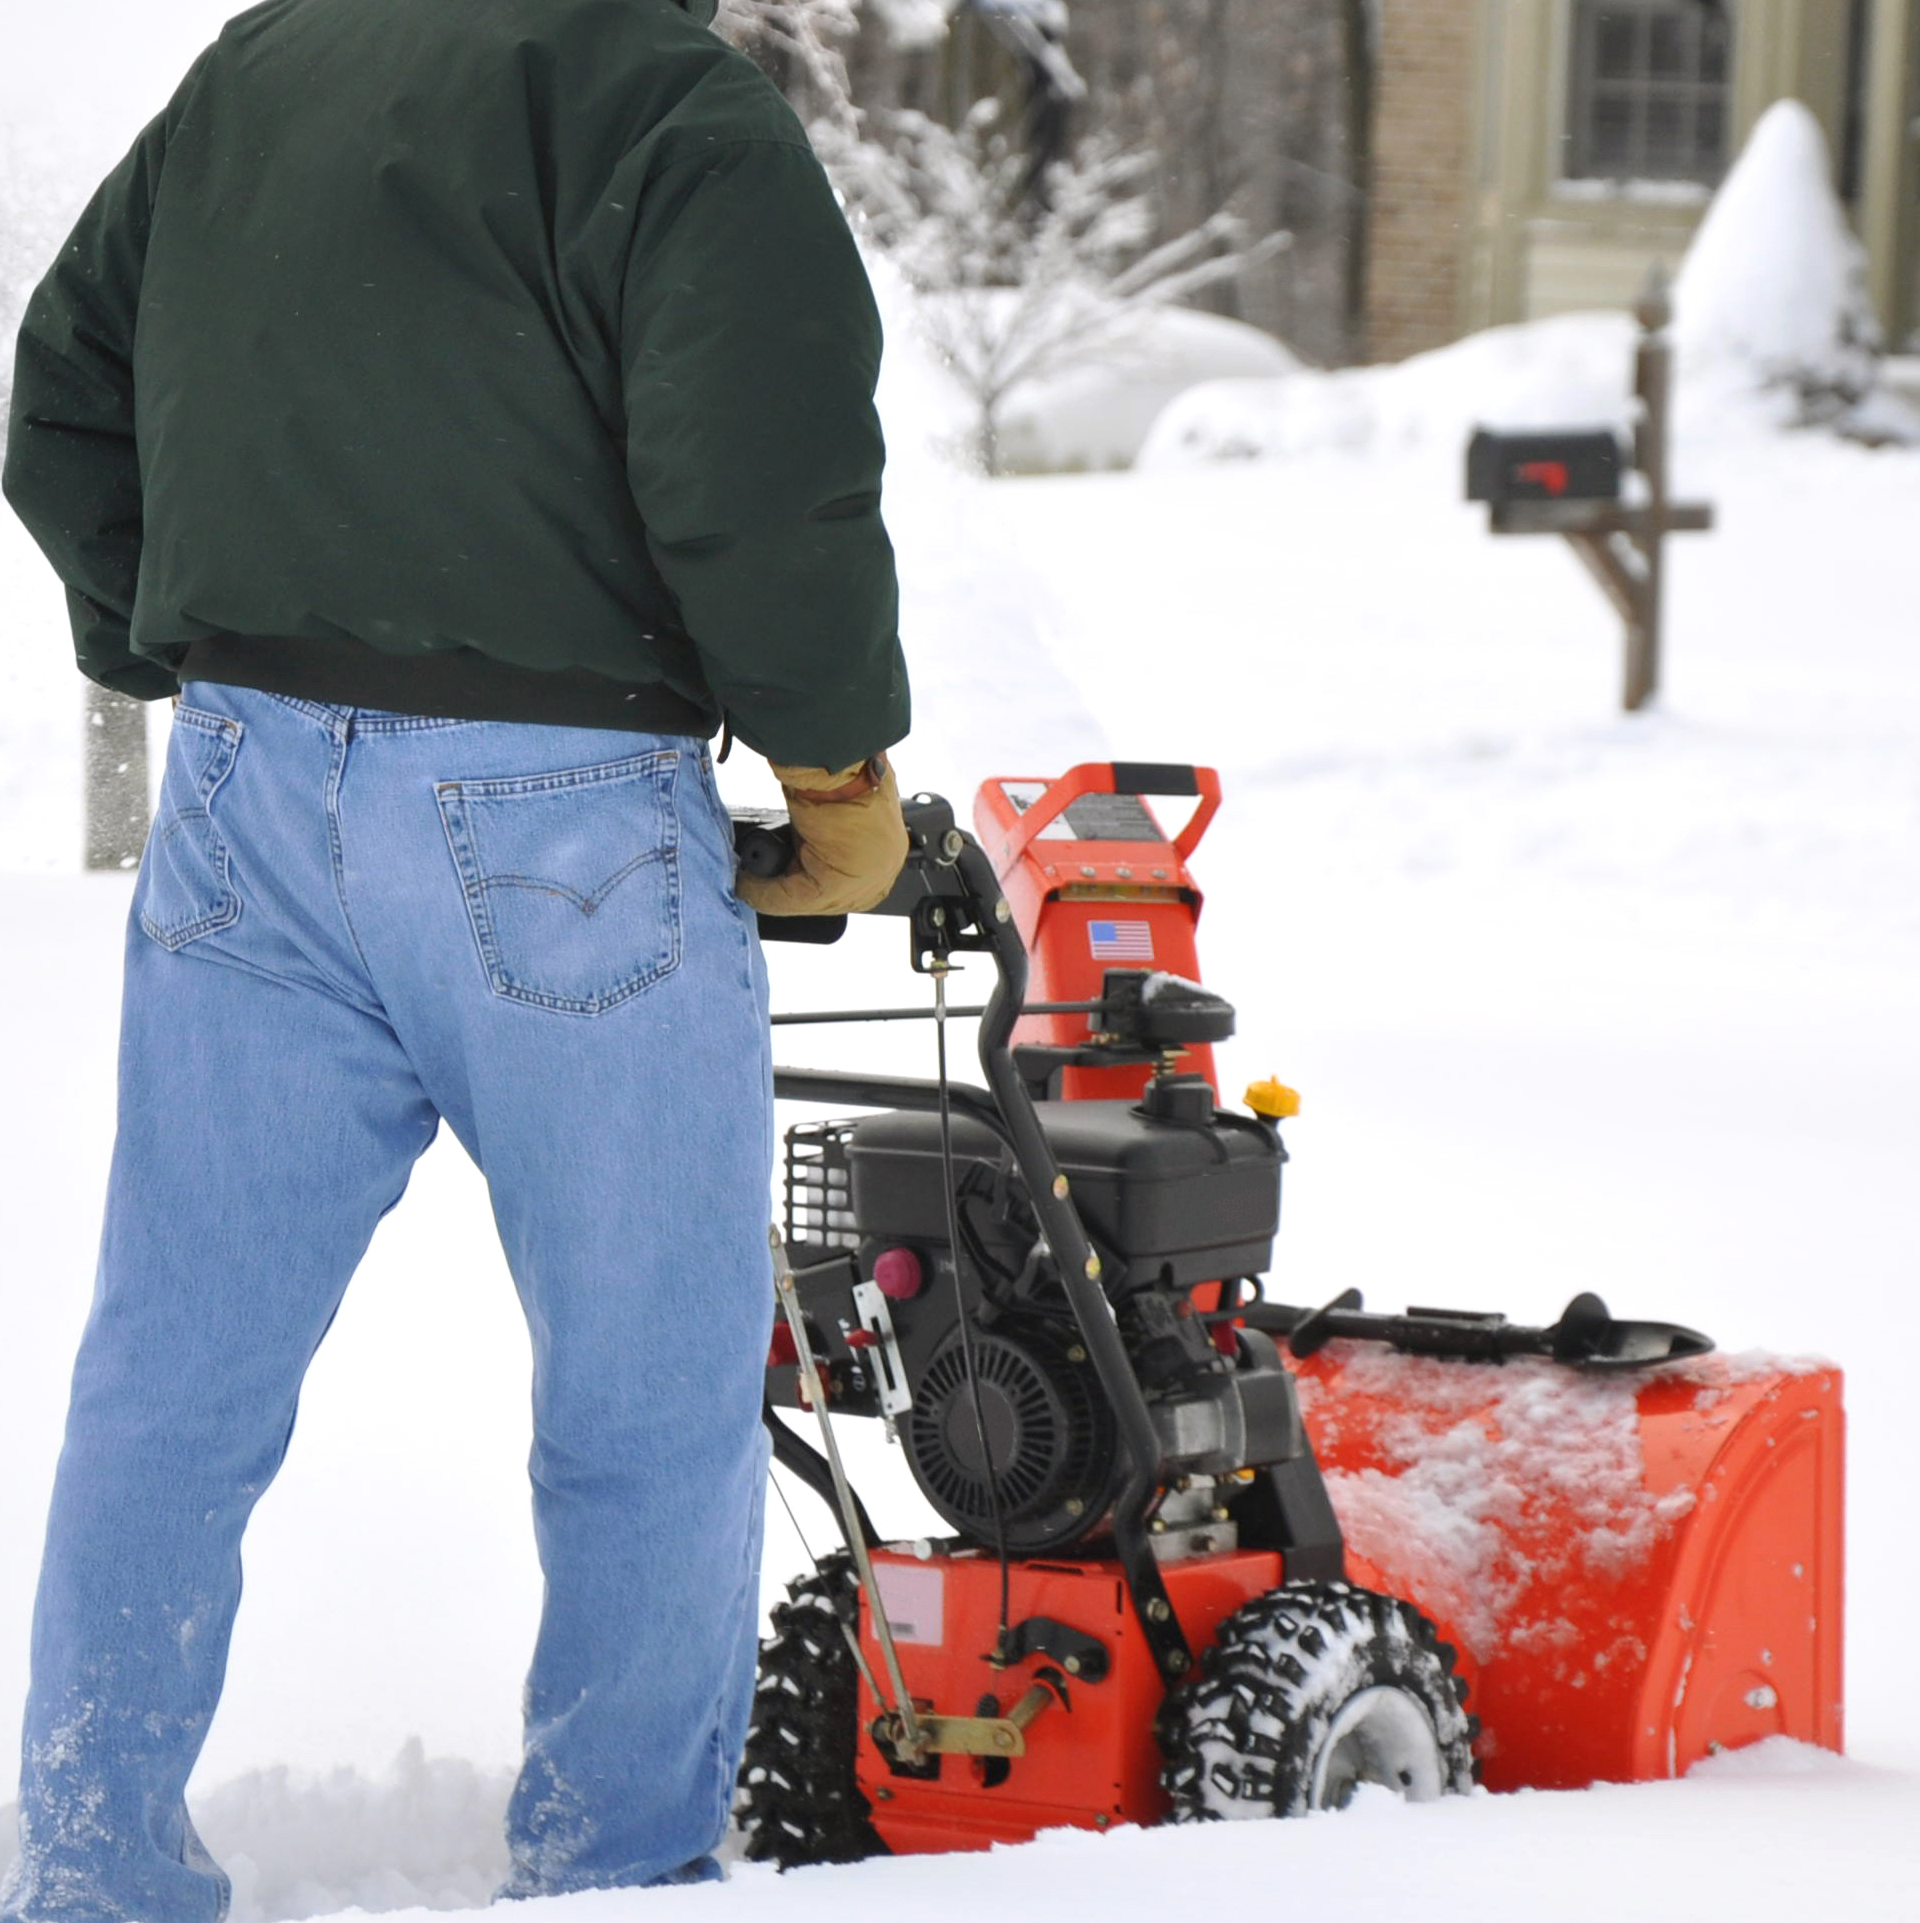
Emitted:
pixel 1696 168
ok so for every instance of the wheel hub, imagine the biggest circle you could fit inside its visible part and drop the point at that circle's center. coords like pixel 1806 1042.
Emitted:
pixel 1380 1736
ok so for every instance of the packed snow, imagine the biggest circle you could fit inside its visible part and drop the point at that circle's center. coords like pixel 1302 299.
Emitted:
pixel 1486 1484
pixel 1576 1001
pixel 1505 1489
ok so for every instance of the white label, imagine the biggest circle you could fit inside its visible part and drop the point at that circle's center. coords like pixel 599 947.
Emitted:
pixel 914 1596
pixel 877 1319
pixel 1023 794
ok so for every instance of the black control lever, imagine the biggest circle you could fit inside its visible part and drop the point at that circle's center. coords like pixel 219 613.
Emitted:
pixel 1586 1337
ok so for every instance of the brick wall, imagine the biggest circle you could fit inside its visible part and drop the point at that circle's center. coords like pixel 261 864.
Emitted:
pixel 1423 120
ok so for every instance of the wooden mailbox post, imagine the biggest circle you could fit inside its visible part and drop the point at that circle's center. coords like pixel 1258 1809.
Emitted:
pixel 1621 542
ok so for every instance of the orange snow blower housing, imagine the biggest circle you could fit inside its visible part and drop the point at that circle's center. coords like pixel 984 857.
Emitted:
pixel 1636 1571
pixel 1532 1558
pixel 1094 884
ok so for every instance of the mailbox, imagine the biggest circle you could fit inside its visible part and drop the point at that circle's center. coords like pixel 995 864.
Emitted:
pixel 1578 465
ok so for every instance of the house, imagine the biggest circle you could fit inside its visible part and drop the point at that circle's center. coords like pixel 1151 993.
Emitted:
pixel 1534 157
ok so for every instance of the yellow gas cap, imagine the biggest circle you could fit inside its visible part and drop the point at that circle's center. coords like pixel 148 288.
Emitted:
pixel 1275 1100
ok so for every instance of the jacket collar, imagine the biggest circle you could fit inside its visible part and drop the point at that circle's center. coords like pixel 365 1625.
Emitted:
pixel 702 10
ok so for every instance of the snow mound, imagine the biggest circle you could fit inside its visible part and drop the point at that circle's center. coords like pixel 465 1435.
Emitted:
pixel 1572 368
pixel 1773 1756
pixel 1098 415
pixel 1773 294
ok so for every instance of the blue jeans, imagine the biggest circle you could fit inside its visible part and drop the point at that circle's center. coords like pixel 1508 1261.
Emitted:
pixel 348 925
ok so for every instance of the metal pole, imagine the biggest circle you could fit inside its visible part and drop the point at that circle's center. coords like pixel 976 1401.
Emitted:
pixel 114 773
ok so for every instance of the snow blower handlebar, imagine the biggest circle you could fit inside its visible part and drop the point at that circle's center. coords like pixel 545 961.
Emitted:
pixel 1117 778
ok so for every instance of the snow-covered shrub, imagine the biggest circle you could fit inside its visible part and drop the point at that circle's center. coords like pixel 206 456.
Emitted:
pixel 1773 294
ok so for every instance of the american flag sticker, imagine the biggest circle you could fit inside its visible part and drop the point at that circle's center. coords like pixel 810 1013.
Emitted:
pixel 1120 940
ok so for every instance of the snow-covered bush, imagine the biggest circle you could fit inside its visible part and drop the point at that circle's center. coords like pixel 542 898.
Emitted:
pixel 1017 279
pixel 1774 294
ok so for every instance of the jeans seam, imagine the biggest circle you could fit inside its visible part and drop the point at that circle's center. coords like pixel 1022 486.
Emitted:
pixel 336 773
pixel 375 720
pixel 382 722
pixel 314 710
pixel 226 909
pixel 743 917
pixel 653 763
pixel 725 1767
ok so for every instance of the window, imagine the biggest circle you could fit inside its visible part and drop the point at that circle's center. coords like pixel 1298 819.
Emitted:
pixel 1650 87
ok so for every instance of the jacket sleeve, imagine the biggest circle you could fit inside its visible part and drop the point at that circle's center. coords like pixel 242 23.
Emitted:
pixel 750 345
pixel 72 469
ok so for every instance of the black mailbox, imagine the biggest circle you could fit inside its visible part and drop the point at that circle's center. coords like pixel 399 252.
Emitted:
pixel 1581 465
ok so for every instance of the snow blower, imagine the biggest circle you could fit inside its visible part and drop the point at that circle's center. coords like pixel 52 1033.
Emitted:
pixel 1214 1555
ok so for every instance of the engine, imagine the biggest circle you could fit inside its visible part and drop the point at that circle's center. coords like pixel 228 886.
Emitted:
pixel 978 1361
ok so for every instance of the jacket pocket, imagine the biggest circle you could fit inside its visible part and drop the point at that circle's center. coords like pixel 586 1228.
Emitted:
pixel 572 880
pixel 186 889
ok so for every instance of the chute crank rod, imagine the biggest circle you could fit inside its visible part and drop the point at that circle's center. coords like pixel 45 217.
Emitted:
pixel 915 1742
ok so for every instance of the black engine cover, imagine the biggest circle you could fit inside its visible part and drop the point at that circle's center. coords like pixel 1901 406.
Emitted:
pixel 1174 1202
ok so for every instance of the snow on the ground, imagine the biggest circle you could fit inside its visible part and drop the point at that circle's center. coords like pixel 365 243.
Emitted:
pixel 1781 1831
pixel 1576 1001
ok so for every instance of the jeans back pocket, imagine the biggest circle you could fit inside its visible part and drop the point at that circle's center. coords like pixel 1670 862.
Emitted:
pixel 186 887
pixel 572 879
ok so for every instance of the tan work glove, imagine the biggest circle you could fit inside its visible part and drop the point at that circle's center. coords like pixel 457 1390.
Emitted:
pixel 850 842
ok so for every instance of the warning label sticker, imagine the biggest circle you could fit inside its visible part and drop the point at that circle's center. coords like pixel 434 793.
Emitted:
pixel 1023 794
pixel 914 1596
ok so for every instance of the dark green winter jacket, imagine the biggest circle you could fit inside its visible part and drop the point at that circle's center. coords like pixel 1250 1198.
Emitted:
pixel 482 350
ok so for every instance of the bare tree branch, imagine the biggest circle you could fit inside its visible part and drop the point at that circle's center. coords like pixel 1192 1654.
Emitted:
pixel 1011 290
pixel 811 36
